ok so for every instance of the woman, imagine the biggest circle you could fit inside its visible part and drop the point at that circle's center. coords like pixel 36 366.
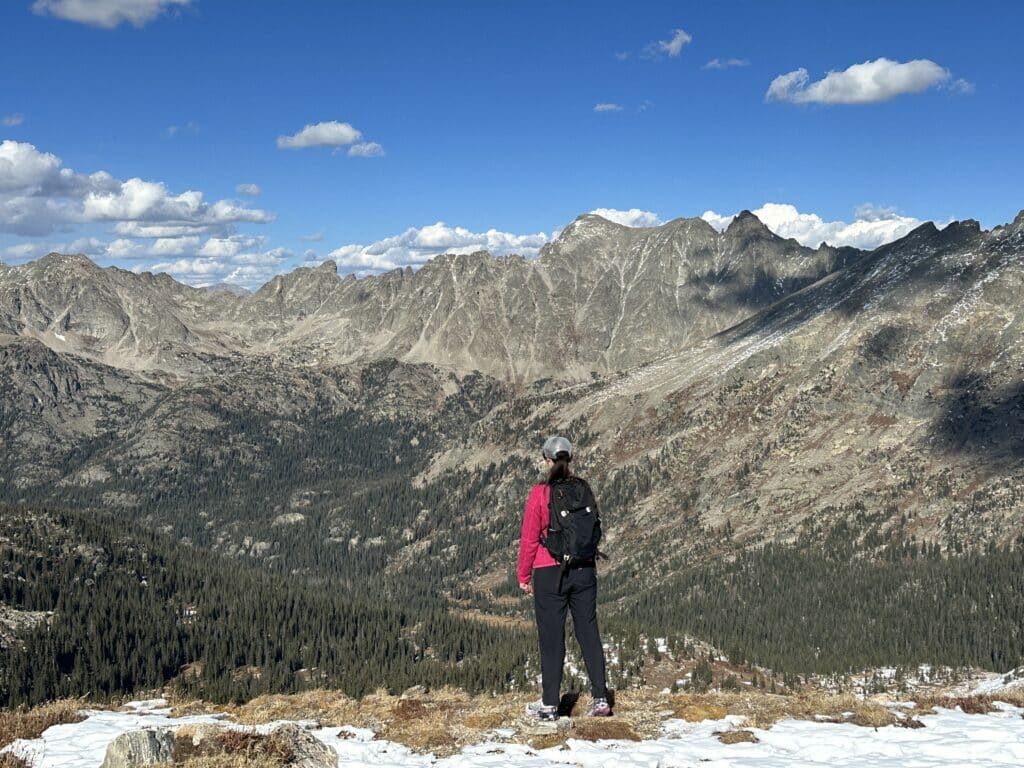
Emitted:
pixel 557 585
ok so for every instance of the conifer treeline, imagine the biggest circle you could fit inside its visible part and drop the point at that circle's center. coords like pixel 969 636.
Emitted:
pixel 804 609
pixel 134 610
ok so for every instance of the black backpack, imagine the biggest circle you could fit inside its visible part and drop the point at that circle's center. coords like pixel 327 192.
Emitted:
pixel 574 524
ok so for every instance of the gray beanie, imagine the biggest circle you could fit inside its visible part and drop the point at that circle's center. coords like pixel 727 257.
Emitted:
pixel 556 445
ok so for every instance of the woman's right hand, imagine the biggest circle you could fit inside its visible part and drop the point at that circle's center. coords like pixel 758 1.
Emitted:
pixel 526 586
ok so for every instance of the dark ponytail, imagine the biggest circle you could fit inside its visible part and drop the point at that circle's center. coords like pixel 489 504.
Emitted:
pixel 560 469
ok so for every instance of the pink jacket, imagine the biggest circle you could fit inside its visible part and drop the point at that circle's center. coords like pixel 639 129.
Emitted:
pixel 535 524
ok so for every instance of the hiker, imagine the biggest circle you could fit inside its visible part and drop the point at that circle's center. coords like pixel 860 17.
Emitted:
pixel 557 554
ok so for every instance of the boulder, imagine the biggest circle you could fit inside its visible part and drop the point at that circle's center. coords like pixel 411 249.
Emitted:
pixel 148 746
pixel 307 751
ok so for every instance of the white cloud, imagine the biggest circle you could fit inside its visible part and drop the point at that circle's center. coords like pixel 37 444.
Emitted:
pixel 250 269
pixel 607 107
pixel 107 14
pixel 622 55
pixel 190 127
pixel 227 247
pixel 867 83
pixel 124 248
pixel 416 246
pixel 366 149
pixel 173 246
pixel 634 217
pixel 148 201
pixel 329 134
pixel 26 251
pixel 38 196
pixel 195 268
pixel 22 167
pixel 726 63
pixel 252 190
pixel 962 86
pixel 671 47
pixel 9 121
pixel 90 246
pixel 315 237
pixel 872 226
pixel 135 229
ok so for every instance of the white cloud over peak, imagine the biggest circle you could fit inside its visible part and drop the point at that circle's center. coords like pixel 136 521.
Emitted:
pixel 148 201
pixel 671 47
pixel 328 134
pixel 634 217
pixel 107 14
pixel 607 107
pixel 38 196
pixel 9 121
pixel 415 246
pixel 242 261
pixel 867 83
pixel 227 247
pixel 872 226
pixel 366 149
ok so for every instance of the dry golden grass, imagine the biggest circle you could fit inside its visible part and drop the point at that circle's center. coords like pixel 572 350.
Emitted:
pixel 228 749
pixel 762 710
pixel 444 721
pixel 596 728
pixel 30 723
pixel 737 737
pixel 972 705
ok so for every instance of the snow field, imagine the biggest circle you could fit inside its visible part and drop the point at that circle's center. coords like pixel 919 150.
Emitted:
pixel 950 738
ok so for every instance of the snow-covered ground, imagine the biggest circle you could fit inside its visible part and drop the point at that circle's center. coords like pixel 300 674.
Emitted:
pixel 950 738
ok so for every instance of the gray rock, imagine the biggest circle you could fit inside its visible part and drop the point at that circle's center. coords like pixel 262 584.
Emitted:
pixel 149 746
pixel 306 749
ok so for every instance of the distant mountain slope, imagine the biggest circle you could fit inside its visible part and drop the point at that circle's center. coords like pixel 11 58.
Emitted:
pixel 601 297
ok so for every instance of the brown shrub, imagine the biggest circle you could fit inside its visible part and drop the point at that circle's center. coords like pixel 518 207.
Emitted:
pixel 7 760
pixel 30 723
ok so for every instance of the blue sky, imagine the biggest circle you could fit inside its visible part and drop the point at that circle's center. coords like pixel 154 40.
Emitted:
pixel 481 124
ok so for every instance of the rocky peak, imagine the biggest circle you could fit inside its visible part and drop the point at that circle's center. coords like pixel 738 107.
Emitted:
pixel 959 232
pixel 746 225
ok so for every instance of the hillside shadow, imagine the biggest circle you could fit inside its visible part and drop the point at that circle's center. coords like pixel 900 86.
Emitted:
pixel 981 420
pixel 915 264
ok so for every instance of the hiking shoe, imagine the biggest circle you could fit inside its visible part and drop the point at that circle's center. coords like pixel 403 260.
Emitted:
pixel 600 708
pixel 538 710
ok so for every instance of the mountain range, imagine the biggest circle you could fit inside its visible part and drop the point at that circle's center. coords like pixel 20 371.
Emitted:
pixel 727 391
